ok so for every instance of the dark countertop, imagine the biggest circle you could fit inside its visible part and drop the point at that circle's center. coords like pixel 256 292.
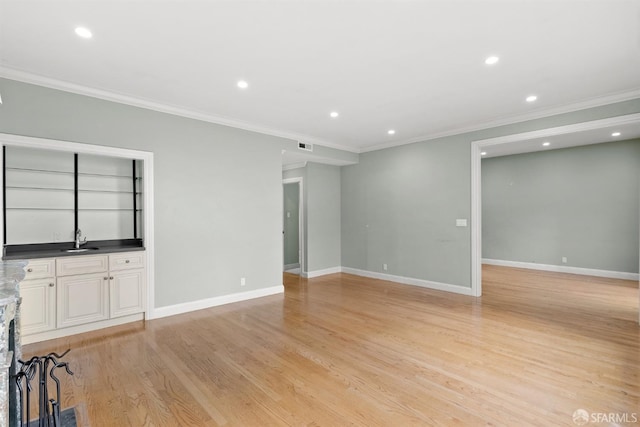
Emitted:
pixel 51 250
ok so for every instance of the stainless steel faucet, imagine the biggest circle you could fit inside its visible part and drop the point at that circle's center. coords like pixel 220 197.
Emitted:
pixel 78 241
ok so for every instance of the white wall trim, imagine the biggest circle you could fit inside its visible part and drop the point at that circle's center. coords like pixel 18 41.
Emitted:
pixel 38 80
pixel 79 329
pixel 302 256
pixel 186 307
pixel 291 266
pixel 147 194
pixel 476 219
pixel 562 130
pixel 292 166
pixel 410 281
pixel 323 272
pixel 564 269
pixel 568 108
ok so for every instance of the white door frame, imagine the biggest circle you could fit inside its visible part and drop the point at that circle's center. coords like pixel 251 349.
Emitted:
pixel 147 194
pixel 476 179
pixel 301 254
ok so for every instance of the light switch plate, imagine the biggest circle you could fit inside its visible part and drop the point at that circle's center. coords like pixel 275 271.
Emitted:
pixel 461 222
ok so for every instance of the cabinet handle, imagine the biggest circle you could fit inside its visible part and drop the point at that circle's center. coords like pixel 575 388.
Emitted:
pixel 51 285
pixel 106 278
pixel 127 262
pixel 29 270
pixel 111 278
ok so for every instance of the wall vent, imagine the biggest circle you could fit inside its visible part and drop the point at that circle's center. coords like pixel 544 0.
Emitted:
pixel 305 146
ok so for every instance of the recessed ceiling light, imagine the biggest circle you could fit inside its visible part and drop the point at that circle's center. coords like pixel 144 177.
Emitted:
pixel 83 32
pixel 616 134
pixel 391 132
pixel 546 144
pixel 531 98
pixel 334 114
pixel 491 60
pixel 243 84
pixel 484 153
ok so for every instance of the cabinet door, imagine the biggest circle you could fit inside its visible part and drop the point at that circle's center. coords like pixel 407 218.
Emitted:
pixel 127 292
pixel 82 299
pixel 38 307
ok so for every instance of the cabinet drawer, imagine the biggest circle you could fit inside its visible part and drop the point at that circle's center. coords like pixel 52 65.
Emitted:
pixel 126 261
pixel 40 269
pixel 81 265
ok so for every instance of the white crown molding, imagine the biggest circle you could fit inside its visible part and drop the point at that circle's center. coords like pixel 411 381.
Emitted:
pixel 25 77
pixel 48 82
pixel 509 120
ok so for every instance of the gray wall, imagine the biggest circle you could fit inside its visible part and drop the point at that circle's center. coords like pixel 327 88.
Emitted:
pixel 219 193
pixel 581 203
pixel 291 225
pixel 323 217
pixel 399 205
pixel 218 190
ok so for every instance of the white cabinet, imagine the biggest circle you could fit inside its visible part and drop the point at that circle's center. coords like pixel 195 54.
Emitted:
pixel 66 292
pixel 38 292
pixel 83 289
pixel 126 261
pixel 38 307
pixel 127 283
pixel 83 264
pixel 82 299
pixel 126 292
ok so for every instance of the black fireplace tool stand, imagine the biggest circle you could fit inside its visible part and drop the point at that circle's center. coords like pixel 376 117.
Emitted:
pixel 49 414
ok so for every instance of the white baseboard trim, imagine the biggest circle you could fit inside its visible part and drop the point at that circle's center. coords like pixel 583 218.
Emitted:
pixel 410 281
pixel 318 273
pixel 564 269
pixel 291 266
pixel 79 329
pixel 186 307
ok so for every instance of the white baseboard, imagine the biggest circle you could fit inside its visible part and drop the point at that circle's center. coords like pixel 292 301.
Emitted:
pixel 564 269
pixel 79 329
pixel 215 301
pixel 318 273
pixel 409 281
pixel 291 266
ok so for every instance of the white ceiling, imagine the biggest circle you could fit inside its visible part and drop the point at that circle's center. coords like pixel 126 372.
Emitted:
pixel 413 66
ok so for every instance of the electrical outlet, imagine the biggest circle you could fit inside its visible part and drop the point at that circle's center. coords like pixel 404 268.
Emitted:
pixel 384 267
pixel 564 259
pixel 243 281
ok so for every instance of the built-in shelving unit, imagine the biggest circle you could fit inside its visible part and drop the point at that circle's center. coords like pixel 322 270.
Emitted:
pixel 50 194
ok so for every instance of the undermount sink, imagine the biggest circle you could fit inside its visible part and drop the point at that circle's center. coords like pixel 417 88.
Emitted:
pixel 78 250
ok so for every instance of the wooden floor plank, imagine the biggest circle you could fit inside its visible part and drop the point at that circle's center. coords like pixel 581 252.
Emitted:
pixel 348 350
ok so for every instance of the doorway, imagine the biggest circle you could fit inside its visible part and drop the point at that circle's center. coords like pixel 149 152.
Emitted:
pixel 478 146
pixel 292 229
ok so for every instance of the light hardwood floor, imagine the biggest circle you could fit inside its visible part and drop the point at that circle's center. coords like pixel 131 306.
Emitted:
pixel 345 350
